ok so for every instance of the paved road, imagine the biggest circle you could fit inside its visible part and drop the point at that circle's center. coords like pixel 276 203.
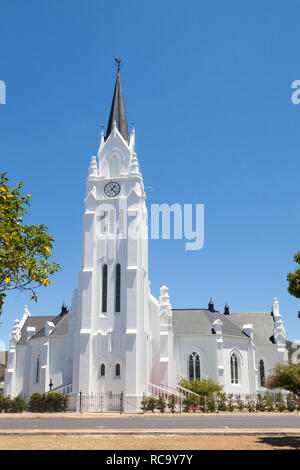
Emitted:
pixel 147 423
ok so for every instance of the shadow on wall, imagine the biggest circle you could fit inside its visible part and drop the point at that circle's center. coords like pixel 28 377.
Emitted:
pixel 287 442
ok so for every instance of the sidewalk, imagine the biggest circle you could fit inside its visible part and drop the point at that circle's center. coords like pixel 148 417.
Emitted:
pixel 68 414
pixel 154 432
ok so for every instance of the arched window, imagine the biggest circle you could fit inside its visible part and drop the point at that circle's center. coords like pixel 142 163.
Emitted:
pixel 194 366
pixel 102 370
pixel 104 288
pixel 234 369
pixel 118 288
pixel 262 373
pixel 37 369
pixel 118 370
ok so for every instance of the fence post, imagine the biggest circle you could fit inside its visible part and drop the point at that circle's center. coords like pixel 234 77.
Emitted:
pixel 121 403
pixel 80 402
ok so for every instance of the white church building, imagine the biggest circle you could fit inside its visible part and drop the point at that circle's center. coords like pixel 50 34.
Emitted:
pixel 116 336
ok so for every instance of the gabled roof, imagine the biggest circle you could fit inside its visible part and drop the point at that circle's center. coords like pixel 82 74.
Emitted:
pixel 60 323
pixel 263 325
pixel 37 322
pixel 117 111
pixel 199 321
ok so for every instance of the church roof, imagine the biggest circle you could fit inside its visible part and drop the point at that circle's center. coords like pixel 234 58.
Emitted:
pixel 199 321
pixel 117 111
pixel 263 325
pixel 60 326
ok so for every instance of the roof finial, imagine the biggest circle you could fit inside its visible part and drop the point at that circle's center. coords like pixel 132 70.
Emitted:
pixel 118 63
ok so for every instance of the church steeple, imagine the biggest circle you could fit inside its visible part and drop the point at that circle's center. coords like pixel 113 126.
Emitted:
pixel 117 111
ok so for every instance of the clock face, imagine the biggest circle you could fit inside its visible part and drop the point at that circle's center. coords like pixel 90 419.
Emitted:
pixel 112 189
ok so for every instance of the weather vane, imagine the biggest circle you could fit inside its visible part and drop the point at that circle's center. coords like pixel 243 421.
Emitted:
pixel 118 63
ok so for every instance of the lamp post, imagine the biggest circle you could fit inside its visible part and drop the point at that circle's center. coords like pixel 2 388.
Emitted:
pixel 50 384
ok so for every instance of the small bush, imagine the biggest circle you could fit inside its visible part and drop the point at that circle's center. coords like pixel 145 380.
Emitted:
pixel 290 402
pixel 269 401
pixel 201 386
pixel 151 404
pixel 279 402
pixel 230 402
pixel 222 401
pixel 161 404
pixel 203 403
pixel 190 402
pixel 260 403
pixel 5 404
pixel 250 403
pixel 172 403
pixel 48 402
pixel 211 404
pixel 18 405
pixel 239 402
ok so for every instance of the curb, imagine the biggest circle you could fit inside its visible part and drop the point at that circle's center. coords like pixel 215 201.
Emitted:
pixel 160 432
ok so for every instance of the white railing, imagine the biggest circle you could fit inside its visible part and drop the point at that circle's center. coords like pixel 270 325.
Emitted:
pixel 63 389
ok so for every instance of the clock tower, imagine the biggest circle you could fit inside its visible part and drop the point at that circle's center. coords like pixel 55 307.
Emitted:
pixel 112 336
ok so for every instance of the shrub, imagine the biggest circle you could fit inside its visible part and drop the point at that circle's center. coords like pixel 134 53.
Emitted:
pixel 239 402
pixel 144 403
pixel 201 387
pixel 250 403
pixel 290 402
pixel 190 402
pixel 18 405
pixel 37 403
pixel 230 402
pixel 279 402
pixel 48 402
pixel 5 404
pixel 203 403
pixel 211 404
pixel 222 401
pixel 161 404
pixel 151 404
pixel 260 403
pixel 172 403
pixel 269 401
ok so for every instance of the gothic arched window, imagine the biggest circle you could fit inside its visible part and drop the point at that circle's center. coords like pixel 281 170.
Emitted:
pixel 262 373
pixel 104 288
pixel 118 288
pixel 37 369
pixel 194 366
pixel 102 370
pixel 118 370
pixel 234 368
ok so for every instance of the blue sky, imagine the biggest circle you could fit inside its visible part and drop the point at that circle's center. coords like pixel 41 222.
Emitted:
pixel 208 84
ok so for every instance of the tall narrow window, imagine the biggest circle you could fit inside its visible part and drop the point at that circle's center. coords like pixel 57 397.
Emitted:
pixel 104 288
pixel 262 373
pixel 104 221
pixel 194 366
pixel 234 369
pixel 118 288
pixel 118 370
pixel 37 370
pixel 102 370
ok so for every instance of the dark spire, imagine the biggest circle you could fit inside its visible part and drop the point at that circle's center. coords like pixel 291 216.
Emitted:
pixel 226 309
pixel 117 111
pixel 64 309
pixel 211 307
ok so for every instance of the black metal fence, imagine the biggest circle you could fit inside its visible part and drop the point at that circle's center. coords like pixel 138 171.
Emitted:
pixel 105 403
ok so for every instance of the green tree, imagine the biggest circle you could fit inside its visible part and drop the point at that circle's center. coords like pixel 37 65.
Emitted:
pixel 24 249
pixel 294 279
pixel 285 376
pixel 201 387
